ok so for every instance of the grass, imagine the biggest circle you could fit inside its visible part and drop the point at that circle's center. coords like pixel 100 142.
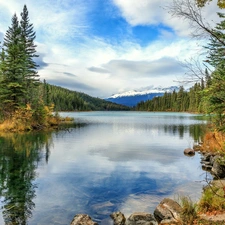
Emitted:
pixel 213 199
pixel 189 210
pixel 214 142
pixel 27 119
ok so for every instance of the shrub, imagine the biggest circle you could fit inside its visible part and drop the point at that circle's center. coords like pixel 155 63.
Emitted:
pixel 214 142
pixel 213 199
pixel 189 210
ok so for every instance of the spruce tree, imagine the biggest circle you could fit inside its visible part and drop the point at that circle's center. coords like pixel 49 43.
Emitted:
pixel 216 87
pixel 30 74
pixel 11 87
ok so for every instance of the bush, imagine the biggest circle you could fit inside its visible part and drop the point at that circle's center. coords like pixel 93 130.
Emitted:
pixel 189 210
pixel 213 198
pixel 26 118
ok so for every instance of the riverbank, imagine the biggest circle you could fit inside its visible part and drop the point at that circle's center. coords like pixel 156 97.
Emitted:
pixel 26 119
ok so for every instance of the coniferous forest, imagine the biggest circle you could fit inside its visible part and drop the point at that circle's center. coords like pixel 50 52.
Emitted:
pixel 207 95
pixel 26 103
pixel 67 100
pixel 191 100
pixel 24 98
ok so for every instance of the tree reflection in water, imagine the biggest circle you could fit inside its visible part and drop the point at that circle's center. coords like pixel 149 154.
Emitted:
pixel 19 157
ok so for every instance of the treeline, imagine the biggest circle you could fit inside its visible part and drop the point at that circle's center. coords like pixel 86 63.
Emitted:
pixel 67 100
pixel 208 95
pixel 182 101
pixel 25 102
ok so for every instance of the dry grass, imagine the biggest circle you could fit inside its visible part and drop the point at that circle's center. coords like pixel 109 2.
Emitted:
pixel 213 199
pixel 214 142
pixel 25 119
pixel 189 210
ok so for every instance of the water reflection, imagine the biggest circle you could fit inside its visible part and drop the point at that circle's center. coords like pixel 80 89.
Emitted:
pixel 196 131
pixel 106 163
pixel 19 158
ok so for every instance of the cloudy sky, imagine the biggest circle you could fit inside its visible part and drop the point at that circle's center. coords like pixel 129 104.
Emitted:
pixel 104 47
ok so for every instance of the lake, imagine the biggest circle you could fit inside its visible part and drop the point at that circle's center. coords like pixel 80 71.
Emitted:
pixel 107 162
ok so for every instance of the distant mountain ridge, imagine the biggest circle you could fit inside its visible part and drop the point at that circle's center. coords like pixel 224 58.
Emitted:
pixel 132 98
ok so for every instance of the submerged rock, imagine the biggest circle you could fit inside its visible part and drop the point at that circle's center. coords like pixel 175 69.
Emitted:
pixel 141 218
pixel 168 211
pixel 118 218
pixel 82 219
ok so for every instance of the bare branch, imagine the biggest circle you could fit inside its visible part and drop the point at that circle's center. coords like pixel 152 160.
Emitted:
pixel 189 10
pixel 195 71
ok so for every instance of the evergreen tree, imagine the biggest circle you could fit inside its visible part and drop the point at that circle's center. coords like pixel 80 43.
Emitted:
pixel 216 89
pixel 207 78
pixel 29 68
pixel 18 75
pixel 11 86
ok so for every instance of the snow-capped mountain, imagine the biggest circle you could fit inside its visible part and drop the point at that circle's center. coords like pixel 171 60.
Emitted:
pixel 132 98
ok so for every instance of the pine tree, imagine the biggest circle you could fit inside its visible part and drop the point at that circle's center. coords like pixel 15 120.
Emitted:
pixel 216 87
pixel 11 87
pixel 29 68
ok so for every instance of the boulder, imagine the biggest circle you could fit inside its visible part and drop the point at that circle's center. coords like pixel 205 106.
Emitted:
pixel 82 219
pixel 189 151
pixel 141 218
pixel 168 211
pixel 118 218
pixel 218 169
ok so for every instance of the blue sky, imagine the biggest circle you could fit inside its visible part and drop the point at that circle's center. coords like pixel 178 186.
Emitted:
pixel 103 47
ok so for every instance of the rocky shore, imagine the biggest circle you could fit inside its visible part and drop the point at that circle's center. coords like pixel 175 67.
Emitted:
pixel 169 211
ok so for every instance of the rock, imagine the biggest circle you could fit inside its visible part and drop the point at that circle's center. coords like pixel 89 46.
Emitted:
pixel 207 168
pixel 197 147
pixel 82 219
pixel 218 169
pixel 168 211
pixel 189 151
pixel 206 157
pixel 141 218
pixel 218 183
pixel 118 218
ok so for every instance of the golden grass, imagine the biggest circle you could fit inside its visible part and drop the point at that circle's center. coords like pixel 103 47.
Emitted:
pixel 25 119
pixel 214 142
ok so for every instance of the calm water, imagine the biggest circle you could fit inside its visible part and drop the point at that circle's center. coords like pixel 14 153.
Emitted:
pixel 110 161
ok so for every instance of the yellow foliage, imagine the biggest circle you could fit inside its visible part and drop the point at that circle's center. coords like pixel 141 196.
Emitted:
pixel 214 142
pixel 24 119
pixel 220 3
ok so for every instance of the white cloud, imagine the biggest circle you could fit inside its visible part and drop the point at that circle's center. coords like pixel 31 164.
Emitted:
pixel 153 12
pixel 101 68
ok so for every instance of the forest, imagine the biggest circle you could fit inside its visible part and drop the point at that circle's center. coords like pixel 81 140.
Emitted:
pixel 24 99
pixel 67 100
pixel 191 100
pixel 26 103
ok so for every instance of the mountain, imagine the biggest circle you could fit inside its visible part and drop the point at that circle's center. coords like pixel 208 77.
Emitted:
pixel 132 98
pixel 67 100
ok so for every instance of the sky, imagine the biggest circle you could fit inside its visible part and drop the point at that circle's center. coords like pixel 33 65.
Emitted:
pixel 105 47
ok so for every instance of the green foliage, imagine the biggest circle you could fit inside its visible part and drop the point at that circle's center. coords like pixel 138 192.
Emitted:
pixel 220 3
pixel 31 78
pixel 11 86
pixel 67 100
pixel 215 92
pixel 212 199
pixel 181 101
pixel 189 210
pixel 18 75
